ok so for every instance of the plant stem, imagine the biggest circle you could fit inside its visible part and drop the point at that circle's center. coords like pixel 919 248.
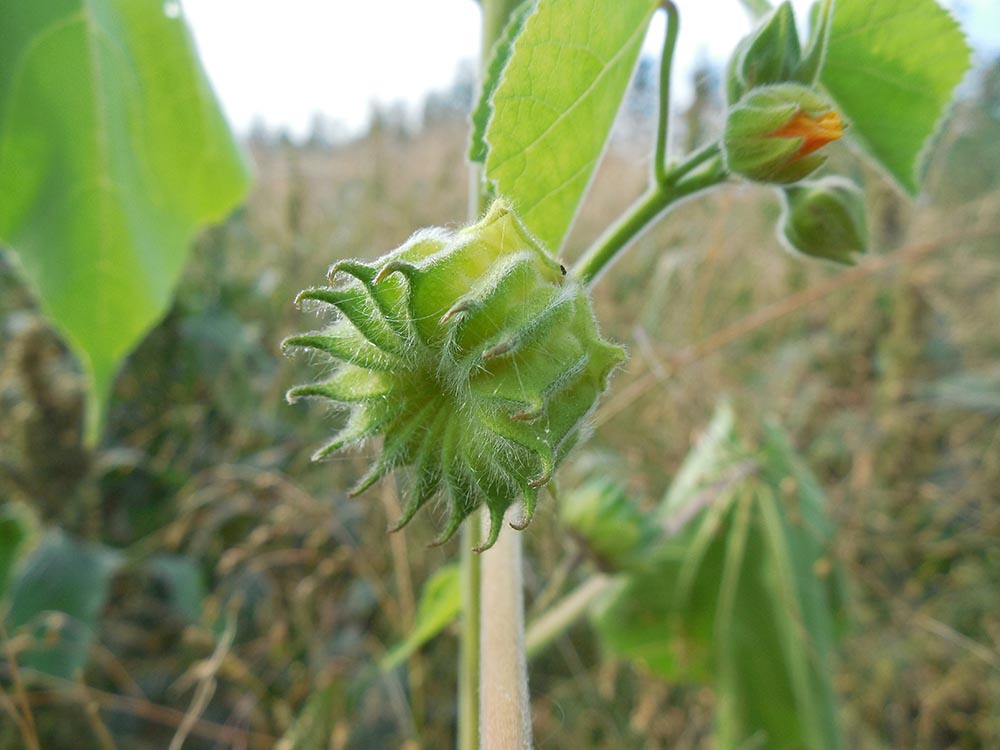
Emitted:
pixel 504 709
pixel 468 665
pixel 683 180
pixel 666 61
pixel 494 17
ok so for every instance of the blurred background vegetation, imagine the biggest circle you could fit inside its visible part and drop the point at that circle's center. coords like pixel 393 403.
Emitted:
pixel 243 577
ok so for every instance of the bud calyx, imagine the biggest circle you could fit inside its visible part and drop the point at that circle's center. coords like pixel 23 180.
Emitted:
pixel 773 132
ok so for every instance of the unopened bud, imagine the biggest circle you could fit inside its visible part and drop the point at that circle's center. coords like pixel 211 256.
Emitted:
pixel 825 219
pixel 773 132
pixel 770 54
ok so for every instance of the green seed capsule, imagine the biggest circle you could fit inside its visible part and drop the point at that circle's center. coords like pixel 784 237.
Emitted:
pixel 475 357
pixel 825 219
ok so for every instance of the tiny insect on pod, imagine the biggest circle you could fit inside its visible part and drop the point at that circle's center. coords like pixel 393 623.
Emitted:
pixel 476 357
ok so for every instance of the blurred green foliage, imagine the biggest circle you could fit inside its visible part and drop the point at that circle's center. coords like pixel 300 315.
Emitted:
pixel 113 155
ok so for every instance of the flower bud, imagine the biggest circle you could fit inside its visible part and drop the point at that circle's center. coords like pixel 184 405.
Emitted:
pixel 825 219
pixel 770 54
pixel 473 354
pixel 772 133
pixel 609 523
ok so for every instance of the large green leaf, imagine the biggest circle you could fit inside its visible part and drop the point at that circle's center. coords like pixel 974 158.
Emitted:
pixel 892 67
pixel 499 57
pixel 71 581
pixel 735 600
pixel 113 152
pixel 555 104
pixel 440 603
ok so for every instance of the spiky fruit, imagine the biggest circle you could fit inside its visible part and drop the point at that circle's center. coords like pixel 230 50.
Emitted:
pixel 473 354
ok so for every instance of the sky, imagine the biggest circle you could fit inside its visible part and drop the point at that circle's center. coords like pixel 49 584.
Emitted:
pixel 280 62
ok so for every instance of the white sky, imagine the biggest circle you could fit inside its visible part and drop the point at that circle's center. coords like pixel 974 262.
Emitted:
pixel 282 61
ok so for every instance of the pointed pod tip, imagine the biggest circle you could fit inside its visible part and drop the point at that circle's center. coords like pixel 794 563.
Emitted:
pixel 499 350
pixel 529 415
pixel 356 268
pixel 456 309
pixel 313 293
pixel 394 266
pixel 540 481
pixel 524 523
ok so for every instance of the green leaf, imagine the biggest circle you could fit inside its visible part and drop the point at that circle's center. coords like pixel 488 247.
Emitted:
pixel 555 104
pixel 113 152
pixel 184 583
pixel 70 580
pixel 15 529
pixel 440 603
pixel 600 513
pixel 491 79
pixel 892 67
pixel 735 599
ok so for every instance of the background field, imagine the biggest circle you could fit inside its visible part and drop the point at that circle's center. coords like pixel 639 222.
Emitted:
pixel 271 581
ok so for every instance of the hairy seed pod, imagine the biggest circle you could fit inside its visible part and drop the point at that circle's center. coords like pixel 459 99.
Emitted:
pixel 473 354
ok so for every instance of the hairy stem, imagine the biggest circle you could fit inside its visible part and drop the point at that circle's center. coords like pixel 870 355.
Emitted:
pixel 504 708
pixel 468 665
pixel 701 170
pixel 666 61
pixel 494 17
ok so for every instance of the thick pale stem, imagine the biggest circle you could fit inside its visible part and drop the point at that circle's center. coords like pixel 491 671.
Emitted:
pixel 468 663
pixel 495 15
pixel 504 708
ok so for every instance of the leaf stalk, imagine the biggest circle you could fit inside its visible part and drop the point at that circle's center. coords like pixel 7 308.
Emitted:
pixel 666 63
pixel 701 170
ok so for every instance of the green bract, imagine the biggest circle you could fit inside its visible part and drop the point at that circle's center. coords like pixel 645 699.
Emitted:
pixel 825 219
pixel 770 54
pixel 473 354
pixel 772 133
